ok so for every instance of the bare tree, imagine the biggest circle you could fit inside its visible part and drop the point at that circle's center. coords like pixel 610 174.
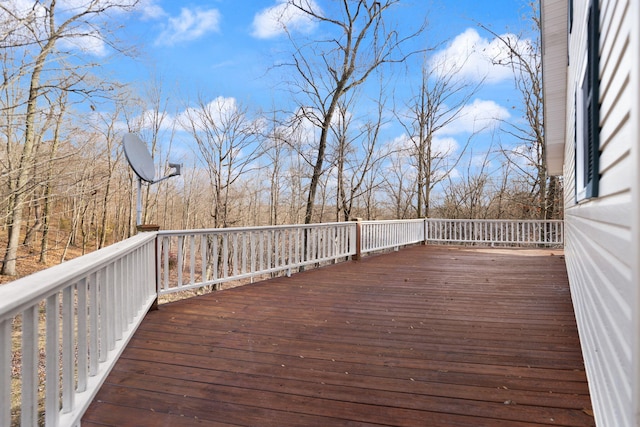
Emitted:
pixel 276 150
pixel 524 57
pixel 47 196
pixel 359 43
pixel 467 195
pixel 399 178
pixel 357 152
pixel 439 100
pixel 226 141
pixel 112 156
pixel 41 29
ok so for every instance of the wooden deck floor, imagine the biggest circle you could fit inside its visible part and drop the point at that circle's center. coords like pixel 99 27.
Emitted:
pixel 427 336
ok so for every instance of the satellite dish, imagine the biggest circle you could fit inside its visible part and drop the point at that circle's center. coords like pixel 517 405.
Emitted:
pixel 139 157
pixel 141 162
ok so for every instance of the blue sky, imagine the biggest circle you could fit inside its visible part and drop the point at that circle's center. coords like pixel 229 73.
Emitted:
pixel 223 52
pixel 226 47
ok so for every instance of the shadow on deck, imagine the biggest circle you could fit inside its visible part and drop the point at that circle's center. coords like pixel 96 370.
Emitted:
pixel 427 336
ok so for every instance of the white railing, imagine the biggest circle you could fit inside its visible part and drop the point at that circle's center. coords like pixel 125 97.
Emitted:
pixel 495 232
pixel 62 329
pixel 67 326
pixel 381 235
pixel 195 258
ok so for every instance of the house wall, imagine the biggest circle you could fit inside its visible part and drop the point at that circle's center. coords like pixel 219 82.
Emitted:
pixel 602 233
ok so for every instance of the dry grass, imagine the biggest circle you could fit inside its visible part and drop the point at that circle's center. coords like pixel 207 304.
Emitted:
pixel 29 256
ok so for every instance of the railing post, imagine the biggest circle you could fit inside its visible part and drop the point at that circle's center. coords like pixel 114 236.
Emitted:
pixel 425 231
pixel 145 228
pixel 358 254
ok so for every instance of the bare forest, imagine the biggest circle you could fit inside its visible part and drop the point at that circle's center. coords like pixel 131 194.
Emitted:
pixel 321 156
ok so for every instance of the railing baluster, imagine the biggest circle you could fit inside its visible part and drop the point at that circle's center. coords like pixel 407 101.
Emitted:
pixel 234 256
pixel 166 251
pixel 192 262
pixel 83 352
pixel 130 293
pixel 119 308
pixel 520 228
pixel 215 259
pixel 296 253
pixel 244 253
pixel 109 307
pixel 203 258
pixel 270 250
pixel 286 249
pixel 29 368
pixel 225 255
pixel 136 276
pixel 276 248
pixel 68 349
pixel 94 335
pixel 261 251
pixel 180 260
pixel 290 249
pixel 252 243
pixel 540 231
pixel 52 369
pixel 5 372
pixel 102 314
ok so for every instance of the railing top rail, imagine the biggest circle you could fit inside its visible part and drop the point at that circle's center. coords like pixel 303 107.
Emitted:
pixel 392 221
pixel 552 221
pixel 259 228
pixel 27 291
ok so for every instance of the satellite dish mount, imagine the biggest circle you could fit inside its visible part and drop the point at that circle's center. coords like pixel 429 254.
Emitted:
pixel 141 162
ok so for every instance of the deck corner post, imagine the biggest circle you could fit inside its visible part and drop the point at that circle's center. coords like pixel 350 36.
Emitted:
pixel 146 228
pixel 425 231
pixel 358 254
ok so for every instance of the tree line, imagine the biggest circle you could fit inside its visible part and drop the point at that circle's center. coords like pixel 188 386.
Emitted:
pixel 65 180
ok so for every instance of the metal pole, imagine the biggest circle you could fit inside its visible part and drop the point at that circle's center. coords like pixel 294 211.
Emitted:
pixel 139 215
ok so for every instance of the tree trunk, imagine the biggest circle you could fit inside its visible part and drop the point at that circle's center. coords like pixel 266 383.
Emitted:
pixel 16 205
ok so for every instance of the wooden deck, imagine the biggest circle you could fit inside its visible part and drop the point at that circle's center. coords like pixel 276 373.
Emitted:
pixel 427 336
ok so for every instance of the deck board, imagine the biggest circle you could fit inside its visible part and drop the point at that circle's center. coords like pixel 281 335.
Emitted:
pixel 426 336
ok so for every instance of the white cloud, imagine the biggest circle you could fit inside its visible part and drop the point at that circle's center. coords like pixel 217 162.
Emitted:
pixel 479 116
pixel 480 161
pixel 441 147
pixel 149 119
pixel 475 58
pixel 150 10
pixel 273 21
pixel 91 44
pixel 522 155
pixel 21 7
pixel 201 118
pixel 26 18
pixel 76 37
pixel 190 25
pixel 444 147
pixel 107 7
pixel 400 143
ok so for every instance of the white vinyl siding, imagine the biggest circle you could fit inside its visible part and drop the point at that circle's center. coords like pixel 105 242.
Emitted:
pixel 600 251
